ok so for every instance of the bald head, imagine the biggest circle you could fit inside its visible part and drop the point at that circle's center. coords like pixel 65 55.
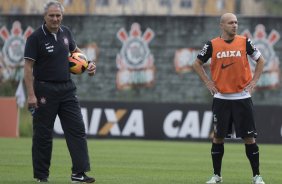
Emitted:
pixel 227 16
pixel 228 25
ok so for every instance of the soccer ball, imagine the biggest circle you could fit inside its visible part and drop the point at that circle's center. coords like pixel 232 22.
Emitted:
pixel 78 63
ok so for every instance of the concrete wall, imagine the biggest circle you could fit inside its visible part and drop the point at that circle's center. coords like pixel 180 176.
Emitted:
pixel 170 35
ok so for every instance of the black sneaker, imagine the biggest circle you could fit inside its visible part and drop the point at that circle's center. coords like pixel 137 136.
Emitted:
pixel 42 180
pixel 81 178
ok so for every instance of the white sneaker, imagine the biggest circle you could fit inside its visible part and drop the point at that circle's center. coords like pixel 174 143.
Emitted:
pixel 215 179
pixel 258 180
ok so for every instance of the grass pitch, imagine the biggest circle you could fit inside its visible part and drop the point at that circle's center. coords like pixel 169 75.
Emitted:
pixel 141 162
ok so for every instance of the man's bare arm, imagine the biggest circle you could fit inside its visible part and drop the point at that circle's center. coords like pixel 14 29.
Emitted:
pixel 28 78
pixel 198 67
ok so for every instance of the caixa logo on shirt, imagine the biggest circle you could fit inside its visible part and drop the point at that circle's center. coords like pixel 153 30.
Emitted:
pixel 13 49
pixel 264 43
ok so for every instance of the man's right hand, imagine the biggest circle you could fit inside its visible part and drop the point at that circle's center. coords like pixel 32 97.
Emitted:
pixel 32 101
pixel 211 86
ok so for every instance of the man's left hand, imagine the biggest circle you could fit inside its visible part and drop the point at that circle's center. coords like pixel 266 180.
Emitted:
pixel 250 87
pixel 91 69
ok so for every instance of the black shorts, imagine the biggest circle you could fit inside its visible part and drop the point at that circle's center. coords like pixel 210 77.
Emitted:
pixel 229 114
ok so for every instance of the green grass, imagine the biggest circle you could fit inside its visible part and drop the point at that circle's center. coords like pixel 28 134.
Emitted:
pixel 141 162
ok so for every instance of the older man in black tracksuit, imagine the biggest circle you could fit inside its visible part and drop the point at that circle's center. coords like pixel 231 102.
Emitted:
pixel 51 92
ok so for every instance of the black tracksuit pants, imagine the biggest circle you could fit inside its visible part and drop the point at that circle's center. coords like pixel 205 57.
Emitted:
pixel 58 99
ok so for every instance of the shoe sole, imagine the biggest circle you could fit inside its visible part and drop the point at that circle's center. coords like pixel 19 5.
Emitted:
pixel 81 182
pixel 216 182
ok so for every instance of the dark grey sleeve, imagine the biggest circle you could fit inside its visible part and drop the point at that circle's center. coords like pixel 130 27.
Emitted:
pixel 252 51
pixel 31 48
pixel 206 53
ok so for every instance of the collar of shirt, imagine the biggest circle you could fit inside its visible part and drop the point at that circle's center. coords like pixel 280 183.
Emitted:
pixel 46 31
